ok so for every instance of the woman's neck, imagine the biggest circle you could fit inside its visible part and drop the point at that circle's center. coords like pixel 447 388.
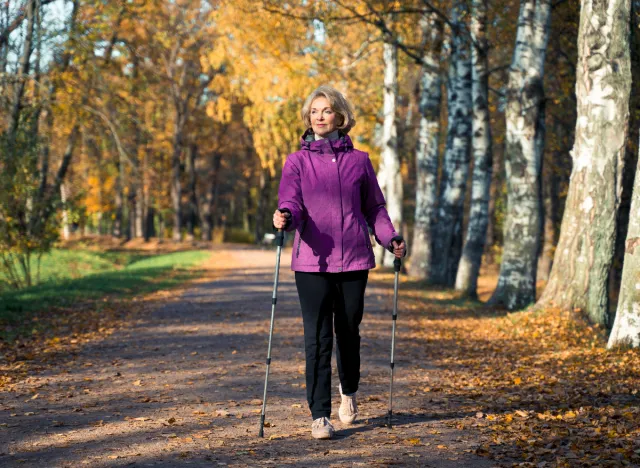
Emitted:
pixel 331 136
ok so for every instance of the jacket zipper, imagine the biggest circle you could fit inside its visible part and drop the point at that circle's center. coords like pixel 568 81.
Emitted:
pixel 304 226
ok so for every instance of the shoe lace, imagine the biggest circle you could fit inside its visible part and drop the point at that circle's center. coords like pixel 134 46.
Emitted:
pixel 320 422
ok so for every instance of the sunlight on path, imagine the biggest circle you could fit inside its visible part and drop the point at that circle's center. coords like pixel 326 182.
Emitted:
pixel 183 386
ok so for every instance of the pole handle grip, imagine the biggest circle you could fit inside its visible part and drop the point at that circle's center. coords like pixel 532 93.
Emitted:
pixel 280 238
pixel 397 263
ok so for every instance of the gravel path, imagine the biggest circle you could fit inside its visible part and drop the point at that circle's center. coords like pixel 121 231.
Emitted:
pixel 183 386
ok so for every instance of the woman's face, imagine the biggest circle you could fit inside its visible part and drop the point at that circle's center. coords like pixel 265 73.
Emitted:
pixel 323 118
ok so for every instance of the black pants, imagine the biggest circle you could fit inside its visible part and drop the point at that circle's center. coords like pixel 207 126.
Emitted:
pixel 321 296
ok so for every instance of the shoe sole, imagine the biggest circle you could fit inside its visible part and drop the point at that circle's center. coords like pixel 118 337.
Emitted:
pixel 348 419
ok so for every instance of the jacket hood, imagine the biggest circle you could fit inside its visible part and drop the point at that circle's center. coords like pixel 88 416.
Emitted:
pixel 309 143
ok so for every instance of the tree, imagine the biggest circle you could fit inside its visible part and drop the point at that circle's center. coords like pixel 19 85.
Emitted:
pixel 469 267
pixel 626 327
pixel 579 276
pixel 389 177
pixel 427 149
pixel 447 241
pixel 524 119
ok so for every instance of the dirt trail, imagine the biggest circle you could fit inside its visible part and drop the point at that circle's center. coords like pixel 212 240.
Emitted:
pixel 183 386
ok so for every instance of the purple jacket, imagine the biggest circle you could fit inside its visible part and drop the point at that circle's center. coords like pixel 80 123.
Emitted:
pixel 332 192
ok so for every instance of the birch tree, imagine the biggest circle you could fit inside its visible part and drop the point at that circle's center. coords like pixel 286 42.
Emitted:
pixel 455 167
pixel 580 272
pixel 525 97
pixel 389 176
pixel 427 149
pixel 626 327
pixel 469 268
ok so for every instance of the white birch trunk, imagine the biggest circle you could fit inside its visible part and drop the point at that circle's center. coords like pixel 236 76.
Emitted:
pixel 469 267
pixel 66 230
pixel 525 96
pixel 427 151
pixel 455 167
pixel 626 327
pixel 389 176
pixel 579 276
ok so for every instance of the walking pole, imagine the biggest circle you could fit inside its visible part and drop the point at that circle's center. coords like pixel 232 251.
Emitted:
pixel 279 243
pixel 396 267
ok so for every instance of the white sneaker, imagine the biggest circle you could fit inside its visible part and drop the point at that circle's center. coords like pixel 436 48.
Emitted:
pixel 322 428
pixel 348 407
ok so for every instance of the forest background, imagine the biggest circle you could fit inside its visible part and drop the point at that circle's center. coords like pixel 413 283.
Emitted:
pixel 504 134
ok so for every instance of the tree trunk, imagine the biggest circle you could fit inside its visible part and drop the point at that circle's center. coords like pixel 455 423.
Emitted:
pixel 211 199
pixel 550 196
pixel 147 212
pixel 626 327
pixel 193 196
pixel 132 212
pixel 27 47
pixel 579 277
pixel 525 96
pixel 469 268
pixel 455 166
pixel 119 201
pixel 66 229
pixel 389 174
pixel 176 187
pixel 263 202
pixel 427 151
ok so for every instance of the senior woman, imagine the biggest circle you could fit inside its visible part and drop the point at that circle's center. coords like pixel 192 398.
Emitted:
pixel 329 194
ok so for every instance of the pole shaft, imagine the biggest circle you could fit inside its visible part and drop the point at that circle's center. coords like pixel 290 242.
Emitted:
pixel 273 314
pixel 393 338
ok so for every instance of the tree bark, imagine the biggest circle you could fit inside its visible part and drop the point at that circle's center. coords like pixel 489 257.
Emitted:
pixel 427 151
pixel 525 98
pixel 626 327
pixel 550 196
pixel 263 201
pixel 119 201
pixel 176 187
pixel 193 196
pixel 389 175
pixel 66 229
pixel 211 199
pixel 579 277
pixel 27 47
pixel 482 148
pixel 455 166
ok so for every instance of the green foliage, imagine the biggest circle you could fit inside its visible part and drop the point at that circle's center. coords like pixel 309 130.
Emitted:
pixel 71 276
pixel 25 231
pixel 239 236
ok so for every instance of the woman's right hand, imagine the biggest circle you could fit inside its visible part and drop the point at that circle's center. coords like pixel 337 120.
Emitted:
pixel 280 219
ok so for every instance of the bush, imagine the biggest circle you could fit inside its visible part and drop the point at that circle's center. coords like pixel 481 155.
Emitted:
pixel 239 236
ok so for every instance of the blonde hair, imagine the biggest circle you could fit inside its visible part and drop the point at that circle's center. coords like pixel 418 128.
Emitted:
pixel 338 103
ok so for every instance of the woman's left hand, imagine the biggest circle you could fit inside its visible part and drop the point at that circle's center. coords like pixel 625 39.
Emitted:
pixel 399 248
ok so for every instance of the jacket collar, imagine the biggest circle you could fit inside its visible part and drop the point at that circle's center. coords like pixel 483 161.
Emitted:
pixel 308 142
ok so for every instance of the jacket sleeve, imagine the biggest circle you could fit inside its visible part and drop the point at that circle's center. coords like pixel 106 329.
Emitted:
pixel 373 208
pixel 290 194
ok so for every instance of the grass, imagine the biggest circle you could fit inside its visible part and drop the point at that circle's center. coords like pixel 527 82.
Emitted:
pixel 69 276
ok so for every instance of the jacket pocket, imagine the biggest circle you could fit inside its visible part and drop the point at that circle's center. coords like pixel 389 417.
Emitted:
pixel 365 233
pixel 304 226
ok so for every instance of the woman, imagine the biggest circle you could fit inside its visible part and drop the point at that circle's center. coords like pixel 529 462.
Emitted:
pixel 328 194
